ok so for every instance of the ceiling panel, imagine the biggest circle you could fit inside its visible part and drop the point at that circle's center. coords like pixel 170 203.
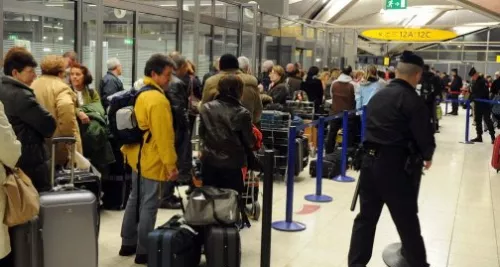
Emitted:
pixel 491 5
pixel 461 17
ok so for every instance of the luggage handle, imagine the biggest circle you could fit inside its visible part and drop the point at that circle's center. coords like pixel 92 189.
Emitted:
pixel 64 140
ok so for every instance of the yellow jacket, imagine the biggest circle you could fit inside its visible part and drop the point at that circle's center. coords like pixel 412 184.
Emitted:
pixel 154 115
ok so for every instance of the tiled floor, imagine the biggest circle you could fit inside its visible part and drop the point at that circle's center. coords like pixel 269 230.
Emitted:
pixel 459 212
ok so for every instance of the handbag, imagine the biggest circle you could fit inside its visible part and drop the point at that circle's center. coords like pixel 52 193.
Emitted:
pixel 209 205
pixel 194 102
pixel 23 201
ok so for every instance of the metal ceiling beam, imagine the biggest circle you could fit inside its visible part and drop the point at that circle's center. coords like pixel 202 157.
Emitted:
pixel 476 8
pixel 343 11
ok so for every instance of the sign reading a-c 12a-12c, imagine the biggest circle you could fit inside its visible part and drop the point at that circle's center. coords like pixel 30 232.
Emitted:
pixel 409 34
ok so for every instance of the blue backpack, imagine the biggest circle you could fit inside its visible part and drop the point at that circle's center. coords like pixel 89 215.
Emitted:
pixel 122 121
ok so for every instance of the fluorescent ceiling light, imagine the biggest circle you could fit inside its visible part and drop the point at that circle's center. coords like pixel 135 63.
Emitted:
pixel 46 49
pixel 54 5
pixel 482 24
pixel 53 27
pixel 461 30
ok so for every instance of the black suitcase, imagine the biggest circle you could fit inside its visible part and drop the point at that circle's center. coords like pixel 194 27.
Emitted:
pixel 222 247
pixel 174 244
pixel 331 165
pixel 116 190
pixel 87 180
pixel 26 243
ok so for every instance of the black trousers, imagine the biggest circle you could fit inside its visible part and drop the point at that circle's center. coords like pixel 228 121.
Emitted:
pixel 335 125
pixel 454 104
pixel 383 180
pixel 482 111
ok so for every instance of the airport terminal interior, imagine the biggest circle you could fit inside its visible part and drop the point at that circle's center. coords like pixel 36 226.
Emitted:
pixel 459 198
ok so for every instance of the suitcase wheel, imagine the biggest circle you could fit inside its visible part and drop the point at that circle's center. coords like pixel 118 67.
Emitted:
pixel 255 212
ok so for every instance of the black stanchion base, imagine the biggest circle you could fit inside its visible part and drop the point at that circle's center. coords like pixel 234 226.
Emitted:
pixel 392 256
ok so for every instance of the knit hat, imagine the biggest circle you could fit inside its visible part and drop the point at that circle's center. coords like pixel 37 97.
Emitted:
pixel 411 58
pixel 228 62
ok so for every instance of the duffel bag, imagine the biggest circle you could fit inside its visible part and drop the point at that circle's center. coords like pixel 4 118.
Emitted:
pixel 209 205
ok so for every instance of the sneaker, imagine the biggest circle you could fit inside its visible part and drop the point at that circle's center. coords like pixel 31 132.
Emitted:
pixel 477 140
pixel 141 259
pixel 126 251
pixel 170 205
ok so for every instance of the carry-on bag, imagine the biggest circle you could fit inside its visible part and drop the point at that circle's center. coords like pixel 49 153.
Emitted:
pixel 83 179
pixel 495 157
pixel 174 244
pixel 68 221
pixel 328 169
pixel 222 247
pixel 210 205
pixel 26 243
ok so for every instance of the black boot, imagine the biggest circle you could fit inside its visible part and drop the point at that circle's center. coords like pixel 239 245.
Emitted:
pixel 478 139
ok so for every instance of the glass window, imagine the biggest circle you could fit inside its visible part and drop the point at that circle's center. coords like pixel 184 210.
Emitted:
pixel 320 49
pixel 118 41
pixel 450 52
pixel 89 35
pixel 205 6
pixel 249 16
pixel 204 48
pixel 231 41
pixel 220 9
pixel 233 12
pixel 170 4
pixel 246 44
pixel 218 46
pixel 270 25
pixel 155 35
pixel 42 35
pixel 187 39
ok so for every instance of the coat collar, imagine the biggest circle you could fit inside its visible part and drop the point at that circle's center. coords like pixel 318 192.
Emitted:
pixel 228 99
pixel 11 80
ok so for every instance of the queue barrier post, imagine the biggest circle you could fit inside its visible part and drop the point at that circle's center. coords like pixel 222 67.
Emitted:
pixel 318 196
pixel 267 209
pixel 288 225
pixel 467 123
pixel 345 133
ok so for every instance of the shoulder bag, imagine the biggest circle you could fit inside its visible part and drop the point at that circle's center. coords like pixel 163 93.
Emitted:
pixel 23 201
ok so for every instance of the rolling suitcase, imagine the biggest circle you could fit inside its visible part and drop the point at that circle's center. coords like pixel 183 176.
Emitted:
pixel 116 190
pixel 87 180
pixel 174 244
pixel 222 247
pixel 495 157
pixel 299 156
pixel 328 169
pixel 26 244
pixel 68 221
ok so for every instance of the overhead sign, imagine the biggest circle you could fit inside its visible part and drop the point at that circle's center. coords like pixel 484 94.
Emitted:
pixel 395 4
pixel 498 58
pixel 409 35
pixel 387 61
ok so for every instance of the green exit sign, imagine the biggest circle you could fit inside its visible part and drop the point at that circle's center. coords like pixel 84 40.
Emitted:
pixel 396 4
pixel 128 41
pixel 13 37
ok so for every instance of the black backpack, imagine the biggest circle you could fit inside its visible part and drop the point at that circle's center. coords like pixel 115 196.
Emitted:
pixel 121 115
pixel 427 91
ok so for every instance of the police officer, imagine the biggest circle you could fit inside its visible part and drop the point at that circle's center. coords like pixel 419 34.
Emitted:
pixel 482 110
pixel 399 142
pixel 430 88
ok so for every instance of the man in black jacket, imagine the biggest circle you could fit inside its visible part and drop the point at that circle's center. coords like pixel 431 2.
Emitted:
pixel 430 88
pixel 177 93
pixel 482 110
pixel 30 121
pixel 495 87
pixel 399 142
pixel 110 83
pixel 455 89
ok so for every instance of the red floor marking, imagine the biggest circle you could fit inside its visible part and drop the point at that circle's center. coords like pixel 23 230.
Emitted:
pixel 308 209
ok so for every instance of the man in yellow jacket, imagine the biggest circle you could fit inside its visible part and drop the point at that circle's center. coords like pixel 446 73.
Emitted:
pixel 158 158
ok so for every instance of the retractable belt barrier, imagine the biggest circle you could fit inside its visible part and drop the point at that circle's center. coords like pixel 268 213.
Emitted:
pixel 288 225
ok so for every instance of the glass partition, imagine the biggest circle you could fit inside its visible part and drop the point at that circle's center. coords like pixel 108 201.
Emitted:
pixel 118 41
pixel 155 35
pixel 270 40
pixel 42 35
pixel 89 37
pixel 219 47
pixel 204 48
pixel 232 41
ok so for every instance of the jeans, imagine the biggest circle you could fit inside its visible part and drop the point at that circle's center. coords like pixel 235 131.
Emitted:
pixel 135 233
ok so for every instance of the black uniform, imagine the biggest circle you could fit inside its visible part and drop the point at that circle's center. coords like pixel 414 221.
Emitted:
pixel 399 136
pixel 482 110
pixel 455 88
pixel 430 90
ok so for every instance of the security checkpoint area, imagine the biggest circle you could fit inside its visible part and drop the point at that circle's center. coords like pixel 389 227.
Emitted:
pixel 304 202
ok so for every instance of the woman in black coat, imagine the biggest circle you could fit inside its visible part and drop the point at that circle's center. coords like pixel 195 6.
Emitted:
pixel 278 89
pixel 314 87
pixel 30 121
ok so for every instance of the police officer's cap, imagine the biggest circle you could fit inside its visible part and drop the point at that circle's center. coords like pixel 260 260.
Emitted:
pixel 411 58
pixel 472 72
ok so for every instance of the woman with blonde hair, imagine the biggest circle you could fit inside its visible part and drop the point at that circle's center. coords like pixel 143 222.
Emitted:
pixel 60 100
pixel 369 87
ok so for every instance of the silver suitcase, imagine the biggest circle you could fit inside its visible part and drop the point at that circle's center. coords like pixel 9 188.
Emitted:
pixel 68 221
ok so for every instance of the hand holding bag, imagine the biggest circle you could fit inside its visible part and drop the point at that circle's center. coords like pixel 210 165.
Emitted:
pixel 209 205
pixel 23 201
